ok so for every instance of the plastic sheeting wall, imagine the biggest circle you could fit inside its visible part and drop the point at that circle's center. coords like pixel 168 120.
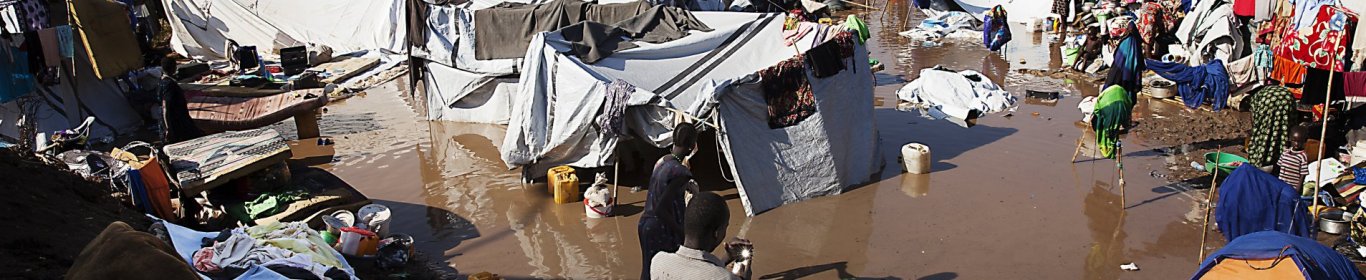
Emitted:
pixel 461 96
pixel 552 112
pixel 201 27
pixel 834 148
pixel 59 108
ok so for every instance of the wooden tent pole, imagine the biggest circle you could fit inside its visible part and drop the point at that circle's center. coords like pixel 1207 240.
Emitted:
pixel 1323 131
pixel 1209 203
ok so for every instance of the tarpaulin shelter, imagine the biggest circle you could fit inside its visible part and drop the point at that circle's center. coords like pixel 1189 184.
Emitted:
pixel 462 87
pixel 718 75
pixel 550 98
pixel 81 93
pixel 202 27
pixel 1019 10
pixel 1276 255
pixel 107 35
pixel 1209 31
pixel 1251 201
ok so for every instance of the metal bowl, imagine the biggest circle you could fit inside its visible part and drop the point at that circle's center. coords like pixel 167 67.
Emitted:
pixel 1333 221
pixel 1162 89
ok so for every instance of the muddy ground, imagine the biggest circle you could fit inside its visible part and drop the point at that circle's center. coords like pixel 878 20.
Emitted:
pixel 49 216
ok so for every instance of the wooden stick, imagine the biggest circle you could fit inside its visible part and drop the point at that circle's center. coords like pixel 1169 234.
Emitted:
pixel 694 118
pixel 1119 163
pixel 860 5
pixel 1323 133
pixel 1080 139
pixel 1209 201
pixel 616 175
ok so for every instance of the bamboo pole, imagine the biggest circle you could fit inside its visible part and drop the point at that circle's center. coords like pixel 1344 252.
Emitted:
pixel 1209 202
pixel 1323 131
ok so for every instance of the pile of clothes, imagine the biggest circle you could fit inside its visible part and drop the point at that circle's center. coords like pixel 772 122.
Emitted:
pixel 962 95
pixel 951 25
pixel 289 249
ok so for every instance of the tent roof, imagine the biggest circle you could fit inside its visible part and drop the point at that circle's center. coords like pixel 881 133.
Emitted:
pixel 1313 259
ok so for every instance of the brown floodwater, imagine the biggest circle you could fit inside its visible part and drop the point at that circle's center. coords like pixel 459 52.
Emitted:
pixel 1003 200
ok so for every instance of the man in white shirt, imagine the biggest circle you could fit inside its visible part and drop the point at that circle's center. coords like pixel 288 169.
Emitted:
pixel 704 226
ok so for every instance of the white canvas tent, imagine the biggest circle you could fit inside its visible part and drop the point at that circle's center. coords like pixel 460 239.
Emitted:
pixel 201 27
pixel 1016 10
pixel 710 75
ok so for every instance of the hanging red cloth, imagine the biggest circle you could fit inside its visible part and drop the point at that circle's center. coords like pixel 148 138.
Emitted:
pixel 1312 49
pixel 1245 8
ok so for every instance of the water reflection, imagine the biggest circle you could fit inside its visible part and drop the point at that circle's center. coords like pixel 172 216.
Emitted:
pixel 1105 220
pixel 915 185
pixel 463 173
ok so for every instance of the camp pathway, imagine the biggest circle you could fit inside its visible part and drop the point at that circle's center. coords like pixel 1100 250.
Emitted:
pixel 1003 200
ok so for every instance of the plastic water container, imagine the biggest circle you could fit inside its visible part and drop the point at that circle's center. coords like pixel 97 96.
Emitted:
pixel 1034 25
pixel 563 184
pixel 916 158
pixel 375 217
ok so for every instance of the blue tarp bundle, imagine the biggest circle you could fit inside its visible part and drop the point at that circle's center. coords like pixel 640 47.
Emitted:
pixel 1251 201
pixel 1195 83
pixel 1315 260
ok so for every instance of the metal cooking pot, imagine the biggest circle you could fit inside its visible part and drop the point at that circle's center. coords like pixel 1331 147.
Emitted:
pixel 1162 89
pixel 1334 221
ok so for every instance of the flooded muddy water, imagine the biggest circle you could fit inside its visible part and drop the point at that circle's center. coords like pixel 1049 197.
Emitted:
pixel 1003 200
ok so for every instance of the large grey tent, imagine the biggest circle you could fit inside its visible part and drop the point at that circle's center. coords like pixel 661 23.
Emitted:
pixel 552 107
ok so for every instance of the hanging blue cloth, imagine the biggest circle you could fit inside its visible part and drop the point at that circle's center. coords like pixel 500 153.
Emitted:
pixel 1314 260
pixel 1196 83
pixel 15 78
pixel 1263 58
pixel 1251 200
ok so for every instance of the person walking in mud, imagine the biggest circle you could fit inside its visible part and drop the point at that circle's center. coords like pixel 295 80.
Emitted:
pixel 176 124
pixel 661 224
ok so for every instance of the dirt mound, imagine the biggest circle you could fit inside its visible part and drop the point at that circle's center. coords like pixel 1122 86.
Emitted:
pixel 50 214
pixel 1180 126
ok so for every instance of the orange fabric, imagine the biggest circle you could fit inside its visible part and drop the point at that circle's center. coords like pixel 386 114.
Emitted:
pixel 154 179
pixel 158 188
pixel 1287 71
pixel 1248 270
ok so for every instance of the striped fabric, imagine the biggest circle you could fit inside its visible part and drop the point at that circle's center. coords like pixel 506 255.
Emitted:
pixel 1294 166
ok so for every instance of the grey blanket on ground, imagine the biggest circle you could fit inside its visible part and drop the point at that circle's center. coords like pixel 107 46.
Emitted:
pixel 596 30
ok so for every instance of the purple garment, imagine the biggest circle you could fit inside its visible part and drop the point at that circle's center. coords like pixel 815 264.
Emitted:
pixel 34 13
